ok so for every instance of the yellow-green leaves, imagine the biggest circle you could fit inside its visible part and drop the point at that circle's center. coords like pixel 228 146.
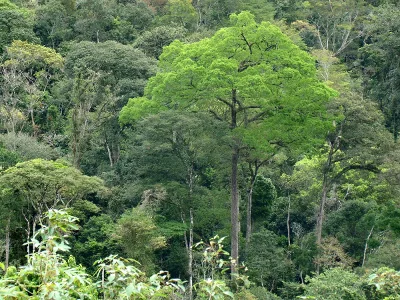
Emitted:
pixel 26 54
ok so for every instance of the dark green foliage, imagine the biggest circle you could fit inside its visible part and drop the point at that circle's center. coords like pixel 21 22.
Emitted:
pixel 263 293
pixel 7 158
pixel 264 195
pixel 267 261
pixel 53 23
pixel 15 24
pixel 94 241
pixel 152 42
pixel 379 69
pixel 351 225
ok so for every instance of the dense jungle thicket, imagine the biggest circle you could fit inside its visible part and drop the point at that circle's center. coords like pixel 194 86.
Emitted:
pixel 247 148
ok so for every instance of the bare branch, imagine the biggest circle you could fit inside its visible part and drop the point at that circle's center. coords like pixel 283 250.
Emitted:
pixel 257 117
pixel 225 102
pixel 215 115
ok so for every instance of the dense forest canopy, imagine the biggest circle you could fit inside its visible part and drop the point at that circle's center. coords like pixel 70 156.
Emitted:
pixel 250 148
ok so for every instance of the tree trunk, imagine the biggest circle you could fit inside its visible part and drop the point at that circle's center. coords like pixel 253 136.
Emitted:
pixel 190 264
pixel 234 210
pixel 249 218
pixel 366 246
pixel 110 157
pixel 234 190
pixel 321 210
pixel 7 244
pixel 288 221
pixel 325 188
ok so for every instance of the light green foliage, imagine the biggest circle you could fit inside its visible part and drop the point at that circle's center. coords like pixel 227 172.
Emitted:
pixel 136 108
pixel 47 274
pixel 139 237
pixel 30 188
pixel 27 147
pixel 119 279
pixel 334 284
pixel 250 60
pixel 46 183
pixel 384 284
pixel 28 73
pixel 213 266
pixel 33 56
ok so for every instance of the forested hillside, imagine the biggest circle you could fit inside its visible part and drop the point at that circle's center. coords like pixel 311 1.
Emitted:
pixel 241 149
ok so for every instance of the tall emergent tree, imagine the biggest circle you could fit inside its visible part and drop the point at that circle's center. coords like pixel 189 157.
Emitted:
pixel 251 76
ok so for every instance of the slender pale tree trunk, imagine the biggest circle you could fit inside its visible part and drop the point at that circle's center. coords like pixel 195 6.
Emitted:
pixel 366 246
pixel 190 250
pixel 7 244
pixel 110 157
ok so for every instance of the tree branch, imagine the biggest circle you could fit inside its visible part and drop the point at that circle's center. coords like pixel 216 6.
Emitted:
pixel 215 115
pixel 257 117
pixel 242 108
pixel 367 167
pixel 247 43
pixel 225 102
